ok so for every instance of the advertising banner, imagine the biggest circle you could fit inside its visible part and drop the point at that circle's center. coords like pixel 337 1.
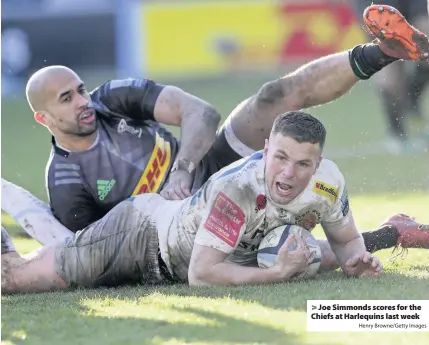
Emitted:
pixel 212 37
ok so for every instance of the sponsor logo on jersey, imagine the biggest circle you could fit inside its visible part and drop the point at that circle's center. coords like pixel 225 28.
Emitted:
pixel 123 127
pixel 261 202
pixel 225 220
pixel 326 190
pixel 308 220
pixel 104 187
pixel 156 169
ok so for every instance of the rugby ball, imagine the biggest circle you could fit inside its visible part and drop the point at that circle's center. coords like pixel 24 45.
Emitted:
pixel 270 245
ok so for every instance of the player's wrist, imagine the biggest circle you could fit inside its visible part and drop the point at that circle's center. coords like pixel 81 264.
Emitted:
pixel 183 164
pixel 279 273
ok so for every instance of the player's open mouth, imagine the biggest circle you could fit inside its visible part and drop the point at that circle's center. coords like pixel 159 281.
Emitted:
pixel 283 189
pixel 88 116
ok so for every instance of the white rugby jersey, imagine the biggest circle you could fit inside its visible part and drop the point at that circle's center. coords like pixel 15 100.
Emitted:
pixel 232 212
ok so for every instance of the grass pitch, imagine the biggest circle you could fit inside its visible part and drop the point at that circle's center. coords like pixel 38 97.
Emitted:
pixel 272 314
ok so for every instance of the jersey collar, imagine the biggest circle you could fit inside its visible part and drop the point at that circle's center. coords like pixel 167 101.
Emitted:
pixel 65 153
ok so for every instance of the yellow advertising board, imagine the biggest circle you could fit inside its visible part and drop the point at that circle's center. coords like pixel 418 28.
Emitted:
pixel 210 37
pixel 204 37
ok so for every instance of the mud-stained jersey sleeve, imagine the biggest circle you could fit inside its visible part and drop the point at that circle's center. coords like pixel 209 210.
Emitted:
pixel 339 211
pixel 132 98
pixel 73 206
pixel 224 222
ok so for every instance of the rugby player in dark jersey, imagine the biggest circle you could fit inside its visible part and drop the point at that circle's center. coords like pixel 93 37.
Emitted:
pixel 109 144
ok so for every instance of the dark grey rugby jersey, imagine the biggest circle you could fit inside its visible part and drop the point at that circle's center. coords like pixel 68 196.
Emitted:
pixel 133 154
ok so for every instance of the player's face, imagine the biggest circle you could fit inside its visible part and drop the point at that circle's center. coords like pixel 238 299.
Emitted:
pixel 289 166
pixel 69 107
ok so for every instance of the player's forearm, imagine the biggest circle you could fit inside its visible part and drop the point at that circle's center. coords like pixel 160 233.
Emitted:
pixel 198 126
pixel 344 252
pixel 232 274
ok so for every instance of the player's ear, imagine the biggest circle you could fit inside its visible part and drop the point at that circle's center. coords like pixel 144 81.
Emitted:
pixel 266 149
pixel 41 118
pixel 319 160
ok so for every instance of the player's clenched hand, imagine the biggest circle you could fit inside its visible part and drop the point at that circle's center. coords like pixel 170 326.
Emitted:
pixel 178 186
pixel 291 261
pixel 363 266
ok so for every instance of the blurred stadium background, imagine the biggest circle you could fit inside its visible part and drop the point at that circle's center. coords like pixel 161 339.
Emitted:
pixel 219 50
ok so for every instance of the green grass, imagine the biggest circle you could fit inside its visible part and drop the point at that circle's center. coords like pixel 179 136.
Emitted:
pixel 243 315
pixel 379 185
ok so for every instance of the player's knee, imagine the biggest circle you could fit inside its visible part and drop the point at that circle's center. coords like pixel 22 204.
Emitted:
pixel 211 116
pixel 270 93
pixel 8 262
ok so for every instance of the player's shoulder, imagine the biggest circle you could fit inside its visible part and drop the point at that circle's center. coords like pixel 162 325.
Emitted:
pixel 245 170
pixel 116 85
pixel 328 181
pixel 240 182
pixel 329 171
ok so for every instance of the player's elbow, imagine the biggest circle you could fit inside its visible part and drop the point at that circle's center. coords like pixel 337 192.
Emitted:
pixel 198 275
pixel 204 113
pixel 194 109
pixel 205 266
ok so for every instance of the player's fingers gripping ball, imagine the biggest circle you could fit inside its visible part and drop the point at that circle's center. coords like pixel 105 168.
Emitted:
pixel 271 244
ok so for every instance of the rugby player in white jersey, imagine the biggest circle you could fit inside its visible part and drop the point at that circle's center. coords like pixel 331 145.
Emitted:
pixel 212 237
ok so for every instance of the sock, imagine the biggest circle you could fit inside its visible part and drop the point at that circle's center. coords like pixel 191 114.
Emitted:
pixel 368 59
pixel 385 237
pixel 394 108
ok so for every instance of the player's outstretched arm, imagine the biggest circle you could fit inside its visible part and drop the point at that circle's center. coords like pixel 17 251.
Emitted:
pixel 208 266
pixel 220 234
pixel 348 246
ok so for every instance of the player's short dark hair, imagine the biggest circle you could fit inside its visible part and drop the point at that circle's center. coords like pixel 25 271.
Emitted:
pixel 300 126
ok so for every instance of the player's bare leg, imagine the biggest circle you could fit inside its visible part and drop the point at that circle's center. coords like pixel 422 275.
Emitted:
pixel 32 214
pixel 319 82
pixel 34 272
pixel 30 274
